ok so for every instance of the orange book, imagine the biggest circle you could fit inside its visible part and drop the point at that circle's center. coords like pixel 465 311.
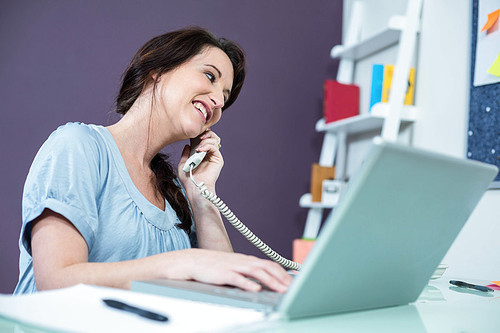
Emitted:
pixel 318 174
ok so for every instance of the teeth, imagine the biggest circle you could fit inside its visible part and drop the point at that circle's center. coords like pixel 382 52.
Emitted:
pixel 200 107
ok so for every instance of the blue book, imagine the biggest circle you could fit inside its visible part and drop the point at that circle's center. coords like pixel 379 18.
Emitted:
pixel 377 80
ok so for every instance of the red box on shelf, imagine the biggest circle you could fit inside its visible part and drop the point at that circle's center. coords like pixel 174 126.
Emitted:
pixel 340 100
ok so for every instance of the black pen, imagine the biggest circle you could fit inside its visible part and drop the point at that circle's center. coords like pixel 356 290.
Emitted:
pixel 141 312
pixel 469 285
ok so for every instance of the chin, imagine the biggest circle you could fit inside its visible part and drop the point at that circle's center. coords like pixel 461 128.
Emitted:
pixel 194 131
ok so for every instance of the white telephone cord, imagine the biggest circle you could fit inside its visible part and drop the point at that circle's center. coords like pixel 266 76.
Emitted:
pixel 229 215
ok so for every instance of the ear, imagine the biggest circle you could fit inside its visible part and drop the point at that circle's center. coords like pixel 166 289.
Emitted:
pixel 156 77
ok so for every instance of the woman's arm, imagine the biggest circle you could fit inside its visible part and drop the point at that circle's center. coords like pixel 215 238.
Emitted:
pixel 60 259
pixel 210 229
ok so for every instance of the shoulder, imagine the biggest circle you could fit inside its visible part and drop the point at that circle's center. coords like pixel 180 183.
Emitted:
pixel 74 136
pixel 74 132
pixel 70 144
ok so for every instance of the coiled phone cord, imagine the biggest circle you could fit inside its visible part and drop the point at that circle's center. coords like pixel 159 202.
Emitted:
pixel 229 215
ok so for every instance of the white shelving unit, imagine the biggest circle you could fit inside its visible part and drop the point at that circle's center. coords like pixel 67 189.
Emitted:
pixel 385 38
pixel 384 117
pixel 366 122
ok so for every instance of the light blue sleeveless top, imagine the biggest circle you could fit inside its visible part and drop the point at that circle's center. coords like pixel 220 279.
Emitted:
pixel 79 173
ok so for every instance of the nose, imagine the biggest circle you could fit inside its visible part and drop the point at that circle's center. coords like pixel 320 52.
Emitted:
pixel 217 98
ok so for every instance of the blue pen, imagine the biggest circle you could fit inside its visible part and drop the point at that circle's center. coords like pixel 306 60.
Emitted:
pixel 469 285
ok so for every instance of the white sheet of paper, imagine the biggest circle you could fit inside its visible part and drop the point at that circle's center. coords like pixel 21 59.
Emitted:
pixel 80 309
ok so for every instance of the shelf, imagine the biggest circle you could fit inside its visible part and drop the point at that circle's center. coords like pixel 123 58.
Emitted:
pixel 402 30
pixel 306 202
pixel 387 37
pixel 366 122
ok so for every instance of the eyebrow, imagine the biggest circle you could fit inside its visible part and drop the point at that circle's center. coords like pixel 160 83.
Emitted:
pixel 220 75
pixel 218 71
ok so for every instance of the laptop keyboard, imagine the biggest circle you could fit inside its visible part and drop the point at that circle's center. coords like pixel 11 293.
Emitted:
pixel 263 297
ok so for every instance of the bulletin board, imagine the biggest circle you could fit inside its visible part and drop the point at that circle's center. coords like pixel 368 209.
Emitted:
pixel 483 142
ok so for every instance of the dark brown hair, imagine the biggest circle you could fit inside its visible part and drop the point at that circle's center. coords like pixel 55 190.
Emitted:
pixel 161 55
pixel 168 51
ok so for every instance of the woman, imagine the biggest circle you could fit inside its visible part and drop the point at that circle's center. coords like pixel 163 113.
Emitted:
pixel 101 205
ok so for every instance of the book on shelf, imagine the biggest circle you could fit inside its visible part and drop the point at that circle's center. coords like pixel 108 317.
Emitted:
pixel 318 175
pixel 340 100
pixel 381 84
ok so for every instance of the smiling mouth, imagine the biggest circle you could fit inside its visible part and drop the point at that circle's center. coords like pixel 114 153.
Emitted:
pixel 201 107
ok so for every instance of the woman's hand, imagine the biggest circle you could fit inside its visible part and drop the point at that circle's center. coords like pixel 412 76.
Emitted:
pixel 222 268
pixel 209 169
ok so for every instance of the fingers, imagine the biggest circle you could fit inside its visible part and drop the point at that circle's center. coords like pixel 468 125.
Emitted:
pixel 239 270
pixel 242 282
pixel 252 271
pixel 270 274
pixel 209 142
pixel 252 278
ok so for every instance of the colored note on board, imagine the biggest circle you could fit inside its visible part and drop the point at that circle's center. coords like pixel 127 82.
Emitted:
pixel 495 68
pixel 492 23
pixel 493 286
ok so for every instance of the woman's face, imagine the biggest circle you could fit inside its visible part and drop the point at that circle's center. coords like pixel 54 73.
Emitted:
pixel 191 96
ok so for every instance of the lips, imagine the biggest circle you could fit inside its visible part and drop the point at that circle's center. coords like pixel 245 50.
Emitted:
pixel 204 109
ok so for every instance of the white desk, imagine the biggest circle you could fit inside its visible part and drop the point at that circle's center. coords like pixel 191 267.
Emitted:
pixel 440 308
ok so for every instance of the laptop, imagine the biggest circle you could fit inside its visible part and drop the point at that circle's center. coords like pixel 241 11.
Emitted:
pixel 379 247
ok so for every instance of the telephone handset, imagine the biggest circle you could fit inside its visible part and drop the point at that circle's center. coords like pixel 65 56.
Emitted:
pixel 195 157
pixel 192 162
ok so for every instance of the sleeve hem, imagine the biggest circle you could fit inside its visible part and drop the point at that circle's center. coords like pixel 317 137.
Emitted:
pixel 73 214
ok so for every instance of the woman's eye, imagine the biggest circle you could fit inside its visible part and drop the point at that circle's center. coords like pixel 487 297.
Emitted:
pixel 210 76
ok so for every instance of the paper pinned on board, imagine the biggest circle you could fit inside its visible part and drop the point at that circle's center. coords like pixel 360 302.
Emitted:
pixel 487 42
pixel 495 68
pixel 492 22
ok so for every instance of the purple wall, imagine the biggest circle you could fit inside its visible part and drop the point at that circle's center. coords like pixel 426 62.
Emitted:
pixel 61 61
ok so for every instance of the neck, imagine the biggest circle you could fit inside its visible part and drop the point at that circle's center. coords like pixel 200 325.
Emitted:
pixel 137 135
